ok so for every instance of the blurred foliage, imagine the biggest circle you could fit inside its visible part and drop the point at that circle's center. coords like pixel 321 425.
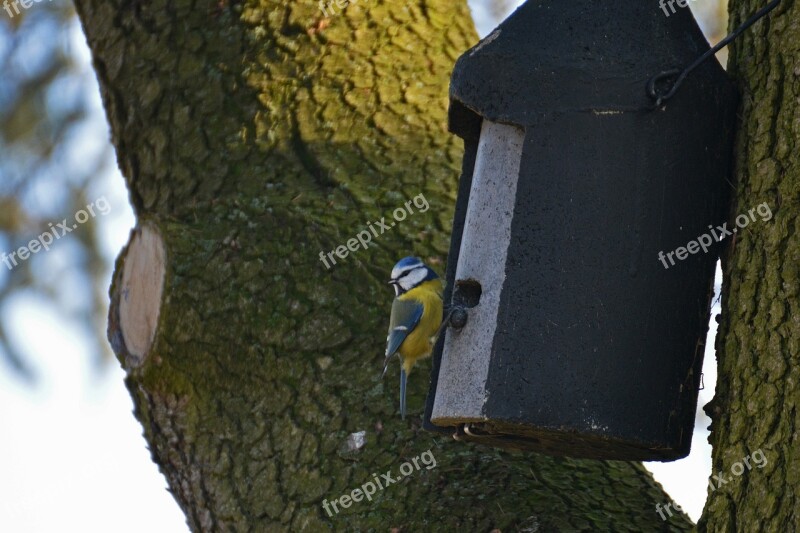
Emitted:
pixel 47 168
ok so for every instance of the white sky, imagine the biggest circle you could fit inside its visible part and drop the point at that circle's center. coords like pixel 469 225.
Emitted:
pixel 72 456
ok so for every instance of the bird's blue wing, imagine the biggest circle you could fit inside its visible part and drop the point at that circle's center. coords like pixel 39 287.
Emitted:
pixel 406 314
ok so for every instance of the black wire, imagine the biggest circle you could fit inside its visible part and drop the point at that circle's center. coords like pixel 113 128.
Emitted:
pixel 661 98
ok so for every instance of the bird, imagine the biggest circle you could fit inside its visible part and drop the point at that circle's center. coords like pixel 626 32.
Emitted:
pixel 415 319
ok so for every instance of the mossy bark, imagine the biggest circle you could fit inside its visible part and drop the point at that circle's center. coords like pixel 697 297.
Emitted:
pixel 758 346
pixel 253 136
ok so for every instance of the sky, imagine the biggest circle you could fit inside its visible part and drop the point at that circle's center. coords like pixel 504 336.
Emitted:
pixel 72 456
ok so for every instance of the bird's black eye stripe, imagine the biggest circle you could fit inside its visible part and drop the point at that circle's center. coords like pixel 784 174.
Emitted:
pixel 406 273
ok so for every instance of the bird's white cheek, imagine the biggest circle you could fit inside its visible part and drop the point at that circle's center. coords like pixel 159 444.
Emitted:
pixel 413 279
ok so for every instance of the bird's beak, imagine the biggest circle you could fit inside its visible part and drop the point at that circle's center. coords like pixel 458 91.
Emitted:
pixel 396 285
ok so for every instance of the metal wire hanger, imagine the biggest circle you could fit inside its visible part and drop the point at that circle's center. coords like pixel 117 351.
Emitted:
pixel 661 97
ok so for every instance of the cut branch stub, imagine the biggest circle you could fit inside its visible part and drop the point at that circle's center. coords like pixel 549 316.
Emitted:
pixel 139 294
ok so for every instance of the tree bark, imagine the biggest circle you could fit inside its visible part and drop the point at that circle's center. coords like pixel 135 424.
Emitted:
pixel 252 137
pixel 755 407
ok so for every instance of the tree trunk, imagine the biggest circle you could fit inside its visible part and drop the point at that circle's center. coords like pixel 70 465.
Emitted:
pixel 254 136
pixel 755 409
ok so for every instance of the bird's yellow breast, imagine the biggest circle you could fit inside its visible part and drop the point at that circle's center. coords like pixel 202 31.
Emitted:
pixel 418 344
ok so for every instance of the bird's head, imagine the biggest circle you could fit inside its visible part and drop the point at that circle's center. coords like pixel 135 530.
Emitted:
pixel 408 273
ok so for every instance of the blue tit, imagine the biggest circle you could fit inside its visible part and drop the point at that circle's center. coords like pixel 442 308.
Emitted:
pixel 416 317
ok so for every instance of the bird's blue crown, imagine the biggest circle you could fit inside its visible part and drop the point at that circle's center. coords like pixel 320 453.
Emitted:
pixel 410 263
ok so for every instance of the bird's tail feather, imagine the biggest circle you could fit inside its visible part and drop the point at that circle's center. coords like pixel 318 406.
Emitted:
pixel 403 393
